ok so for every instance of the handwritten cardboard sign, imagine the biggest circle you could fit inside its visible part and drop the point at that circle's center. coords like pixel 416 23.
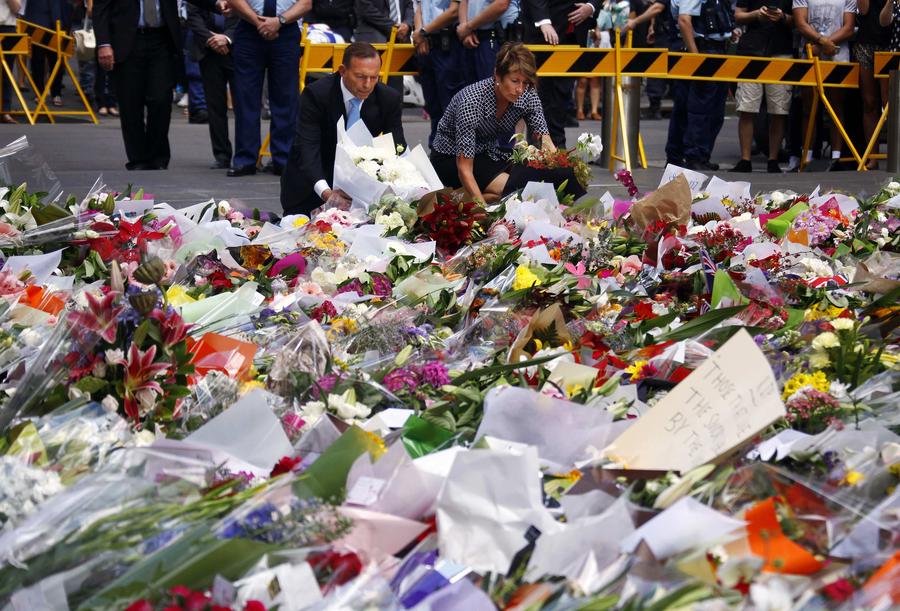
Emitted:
pixel 727 400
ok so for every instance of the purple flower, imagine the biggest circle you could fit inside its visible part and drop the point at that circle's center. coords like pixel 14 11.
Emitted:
pixel 352 286
pixel 435 374
pixel 381 285
pixel 326 385
pixel 400 379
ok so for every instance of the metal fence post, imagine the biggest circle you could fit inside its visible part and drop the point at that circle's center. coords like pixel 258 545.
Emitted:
pixel 631 88
pixel 609 112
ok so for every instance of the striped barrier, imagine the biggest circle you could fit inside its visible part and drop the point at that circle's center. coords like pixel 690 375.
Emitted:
pixel 775 71
pixel 885 63
pixel 52 40
pixel 17 47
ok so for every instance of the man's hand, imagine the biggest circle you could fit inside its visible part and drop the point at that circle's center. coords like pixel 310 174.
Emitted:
pixel 106 58
pixel 828 47
pixel 582 12
pixel 268 27
pixel 550 34
pixel 403 32
pixel 629 25
pixel 471 41
pixel 224 8
pixel 218 43
pixel 463 31
pixel 773 15
pixel 421 42
pixel 335 198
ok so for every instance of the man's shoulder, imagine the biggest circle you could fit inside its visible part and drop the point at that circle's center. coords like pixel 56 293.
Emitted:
pixel 388 96
pixel 321 87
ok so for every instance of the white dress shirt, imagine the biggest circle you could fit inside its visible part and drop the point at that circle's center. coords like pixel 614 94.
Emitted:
pixel 322 185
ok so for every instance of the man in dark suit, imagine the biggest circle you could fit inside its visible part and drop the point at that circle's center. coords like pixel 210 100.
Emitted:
pixel 556 22
pixel 354 93
pixel 213 36
pixel 375 18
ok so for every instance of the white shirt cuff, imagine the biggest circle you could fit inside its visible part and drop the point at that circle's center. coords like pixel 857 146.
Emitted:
pixel 228 39
pixel 320 187
pixel 538 24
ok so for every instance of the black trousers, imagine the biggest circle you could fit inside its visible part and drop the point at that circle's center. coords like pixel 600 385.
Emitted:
pixel 42 61
pixel 145 80
pixel 217 72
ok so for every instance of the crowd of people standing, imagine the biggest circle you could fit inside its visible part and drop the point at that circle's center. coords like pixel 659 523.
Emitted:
pixel 244 54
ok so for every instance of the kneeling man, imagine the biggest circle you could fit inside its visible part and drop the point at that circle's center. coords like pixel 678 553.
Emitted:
pixel 354 93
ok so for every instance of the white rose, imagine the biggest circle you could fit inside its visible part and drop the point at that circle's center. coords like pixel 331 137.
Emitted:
pixel 842 324
pixel 826 340
pixel 110 404
pixel 223 208
pixel 30 337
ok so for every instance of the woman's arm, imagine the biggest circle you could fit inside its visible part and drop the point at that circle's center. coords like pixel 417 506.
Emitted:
pixel 465 168
pixel 862 6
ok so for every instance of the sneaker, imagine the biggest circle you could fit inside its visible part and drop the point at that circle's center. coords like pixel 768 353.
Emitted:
pixel 114 111
pixel 57 100
pixel 103 111
pixel 183 102
pixel 744 166
pixel 772 167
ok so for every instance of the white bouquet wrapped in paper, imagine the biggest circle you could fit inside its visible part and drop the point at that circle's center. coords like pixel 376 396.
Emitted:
pixel 366 167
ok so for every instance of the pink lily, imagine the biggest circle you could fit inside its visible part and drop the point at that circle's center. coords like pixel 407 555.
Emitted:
pixel 102 316
pixel 140 387
pixel 172 328
pixel 578 271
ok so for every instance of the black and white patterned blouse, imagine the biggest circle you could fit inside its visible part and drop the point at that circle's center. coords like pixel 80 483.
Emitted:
pixel 470 126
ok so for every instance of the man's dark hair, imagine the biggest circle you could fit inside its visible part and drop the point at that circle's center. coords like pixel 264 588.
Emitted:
pixel 358 50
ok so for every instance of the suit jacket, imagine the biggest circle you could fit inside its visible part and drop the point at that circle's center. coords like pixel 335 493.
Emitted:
pixel 312 153
pixel 557 11
pixel 202 23
pixel 373 19
pixel 116 22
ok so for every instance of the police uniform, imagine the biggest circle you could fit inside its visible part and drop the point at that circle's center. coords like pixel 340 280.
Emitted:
pixel 478 63
pixel 698 109
pixel 440 70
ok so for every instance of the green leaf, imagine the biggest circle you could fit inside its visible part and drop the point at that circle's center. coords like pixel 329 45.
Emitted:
pixel 421 437
pixel 47 213
pixel 702 324
pixel 90 384
pixel 141 333
pixel 474 374
pixel 724 287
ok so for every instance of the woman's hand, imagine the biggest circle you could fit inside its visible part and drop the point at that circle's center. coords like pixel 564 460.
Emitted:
pixel 547 143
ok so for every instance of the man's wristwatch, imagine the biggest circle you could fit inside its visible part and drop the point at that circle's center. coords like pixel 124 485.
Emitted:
pixel 281 20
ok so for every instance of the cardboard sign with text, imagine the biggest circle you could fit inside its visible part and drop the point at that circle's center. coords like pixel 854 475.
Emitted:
pixel 725 402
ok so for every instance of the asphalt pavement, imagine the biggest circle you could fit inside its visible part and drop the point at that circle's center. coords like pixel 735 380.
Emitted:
pixel 79 152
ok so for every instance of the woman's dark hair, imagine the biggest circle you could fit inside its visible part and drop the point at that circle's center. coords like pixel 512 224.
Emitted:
pixel 515 57
pixel 358 50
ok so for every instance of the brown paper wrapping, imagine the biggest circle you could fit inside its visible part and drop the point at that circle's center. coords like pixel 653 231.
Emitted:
pixel 670 204
pixel 873 271
pixel 541 320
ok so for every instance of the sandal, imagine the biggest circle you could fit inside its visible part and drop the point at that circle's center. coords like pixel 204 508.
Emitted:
pixel 579 116
pixel 595 116
pixel 7 118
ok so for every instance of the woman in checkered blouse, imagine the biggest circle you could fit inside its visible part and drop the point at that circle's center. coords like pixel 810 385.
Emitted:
pixel 466 152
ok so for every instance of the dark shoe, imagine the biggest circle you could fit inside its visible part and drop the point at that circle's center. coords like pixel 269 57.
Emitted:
pixel 272 168
pixel 220 164
pixel 199 118
pixel 772 167
pixel 141 166
pixel 571 122
pixel 700 166
pixel 839 166
pixel 678 162
pixel 744 165
pixel 247 170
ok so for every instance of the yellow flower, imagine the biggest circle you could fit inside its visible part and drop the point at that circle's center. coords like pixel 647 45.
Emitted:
pixel 300 221
pixel 251 385
pixel 574 389
pixel 853 477
pixel 525 278
pixel 178 296
pixel 819 360
pixel 341 326
pixel 818 381
pixel 635 370
pixel 818 313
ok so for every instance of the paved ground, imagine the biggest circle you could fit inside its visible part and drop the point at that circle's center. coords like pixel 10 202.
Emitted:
pixel 79 152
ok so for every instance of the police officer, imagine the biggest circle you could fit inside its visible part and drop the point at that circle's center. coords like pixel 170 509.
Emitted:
pixel 698 111
pixel 438 50
pixel 482 30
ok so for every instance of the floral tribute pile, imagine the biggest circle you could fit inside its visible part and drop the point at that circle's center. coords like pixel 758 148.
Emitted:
pixel 441 404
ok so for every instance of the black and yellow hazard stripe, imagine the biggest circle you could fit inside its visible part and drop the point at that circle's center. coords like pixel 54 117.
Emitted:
pixel 325 58
pixel 885 62
pixel 46 38
pixel 732 68
pixel 578 61
pixel 14 44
